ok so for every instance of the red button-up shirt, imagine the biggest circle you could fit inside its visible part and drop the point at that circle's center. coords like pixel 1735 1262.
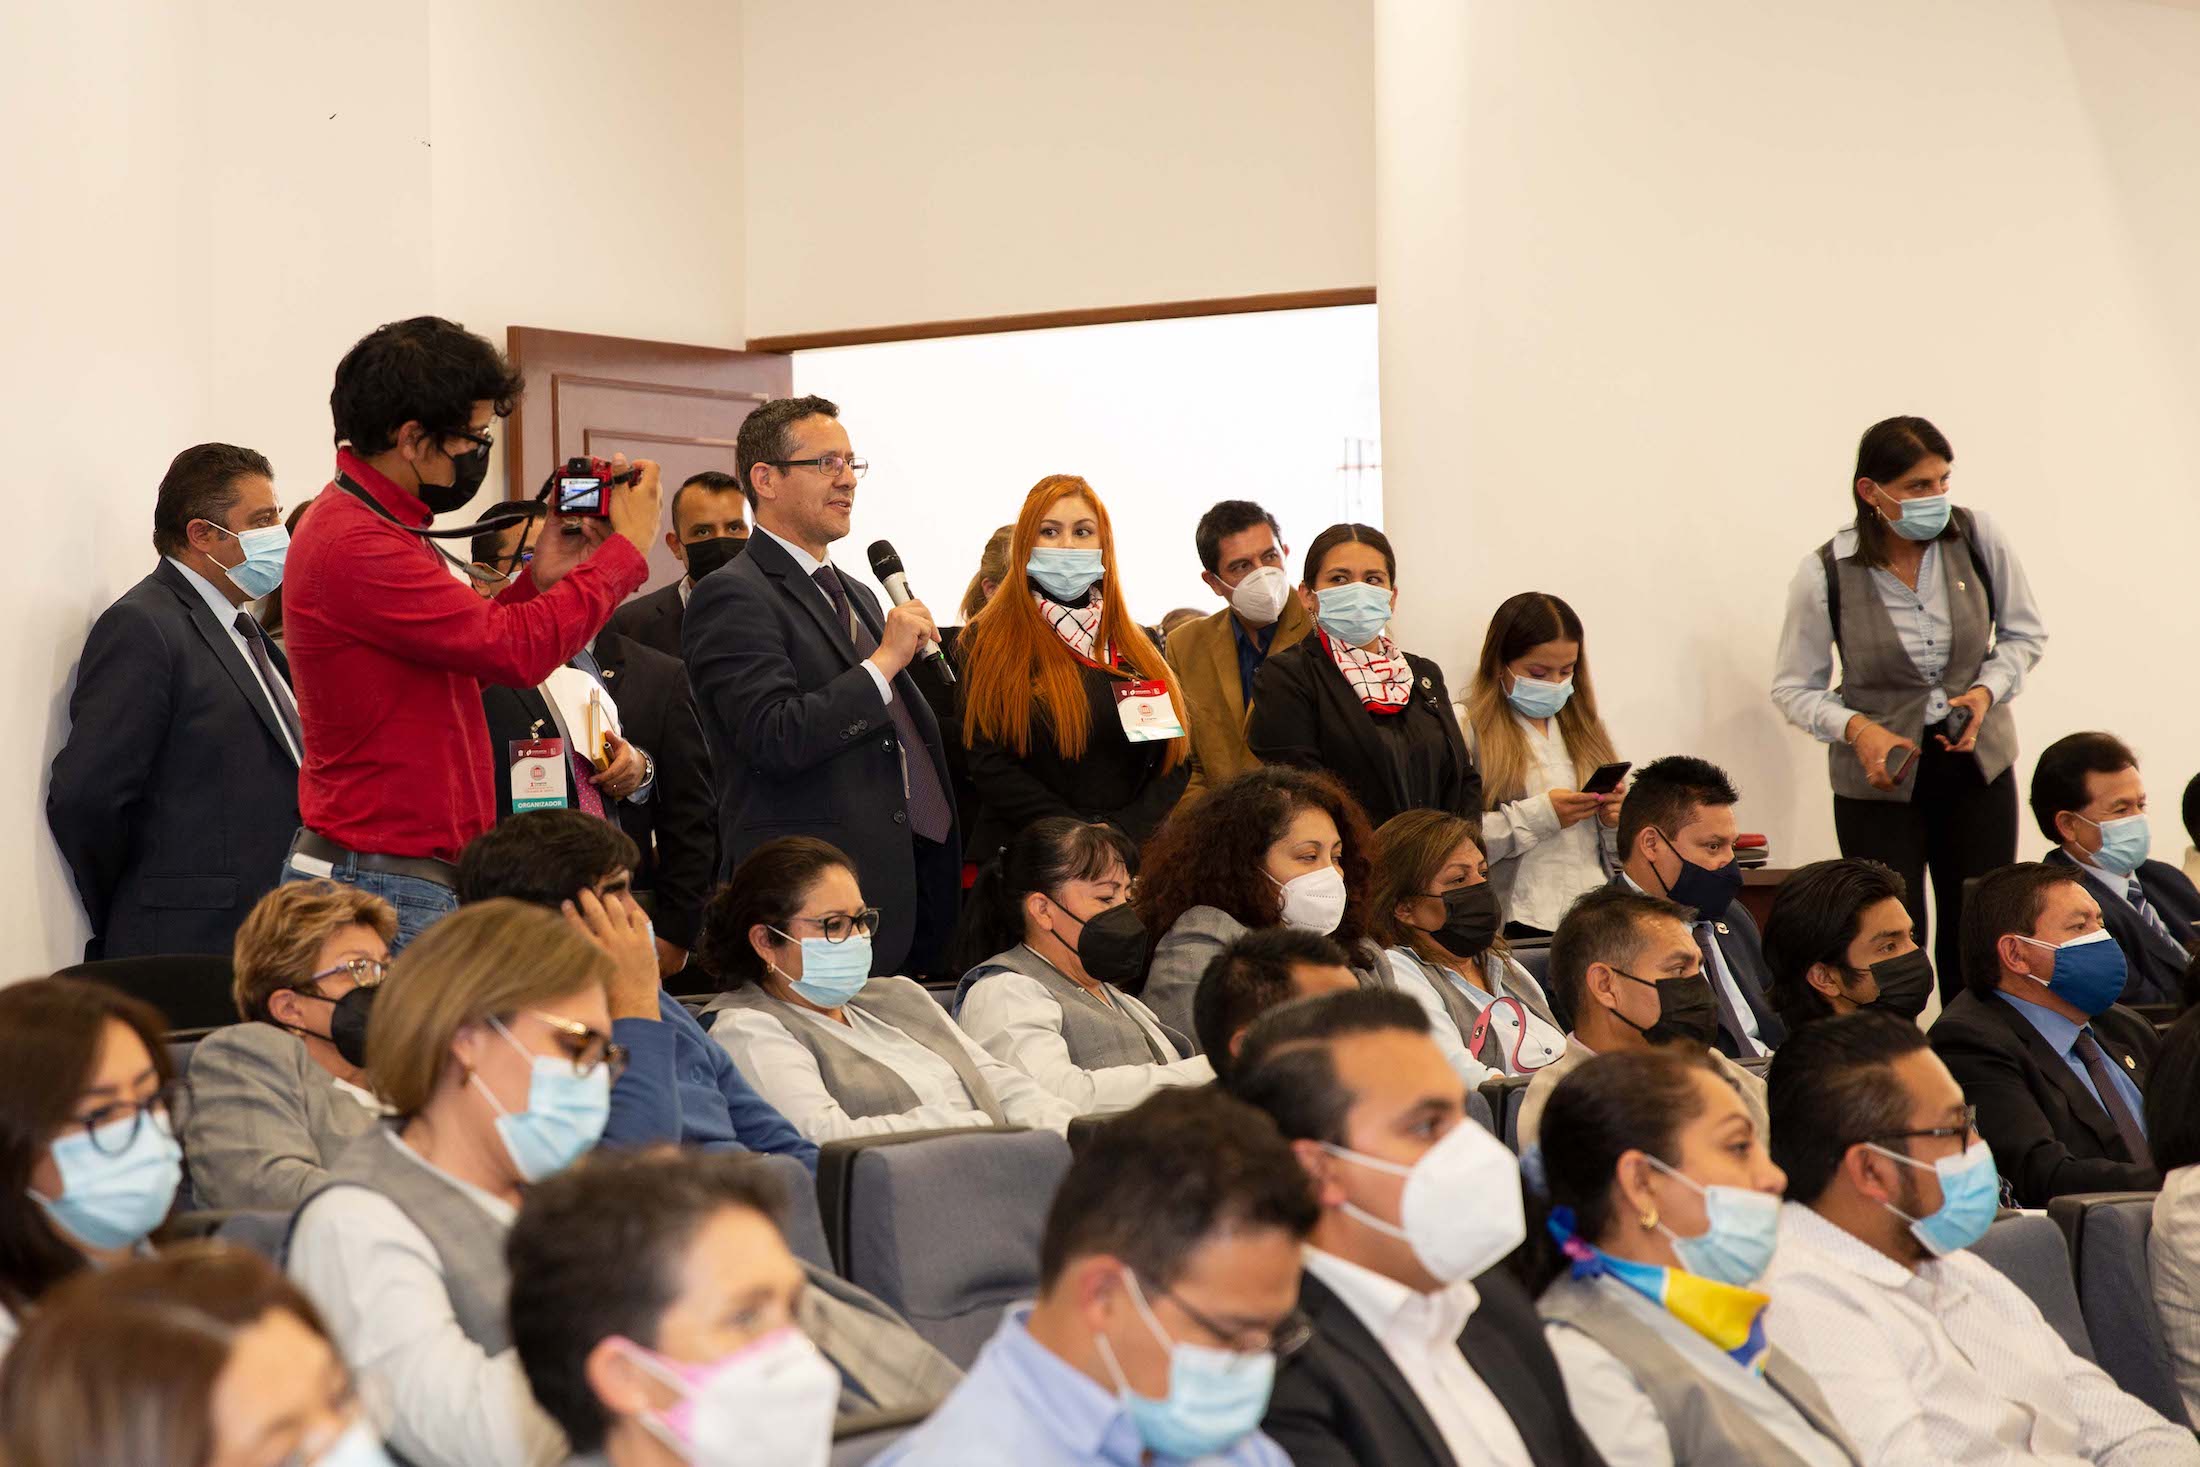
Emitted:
pixel 388 653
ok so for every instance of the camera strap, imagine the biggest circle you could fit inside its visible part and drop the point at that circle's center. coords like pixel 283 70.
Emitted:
pixel 496 517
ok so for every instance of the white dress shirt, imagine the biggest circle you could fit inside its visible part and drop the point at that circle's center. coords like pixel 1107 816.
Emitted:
pixel 1538 868
pixel 2173 1259
pixel 225 611
pixel 1618 1414
pixel 379 1284
pixel 1420 1334
pixel 784 1073
pixel 1019 1022
pixel 1947 1364
pixel 811 565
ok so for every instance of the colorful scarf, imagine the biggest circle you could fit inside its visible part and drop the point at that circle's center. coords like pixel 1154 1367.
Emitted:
pixel 1732 1319
pixel 1381 678
pixel 1077 626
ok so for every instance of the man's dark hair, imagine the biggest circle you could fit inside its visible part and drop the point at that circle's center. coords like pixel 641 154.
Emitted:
pixel 1288 1068
pixel 1606 925
pixel 2192 809
pixel 1228 518
pixel 1250 977
pixel 1188 1166
pixel 1667 792
pixel 1997 904
pixel 543 857
pixel 426 370
pixel 201 484
pixel 642 1209
pixel 1816 915
pixel 1832 1085
pixel 2058 780
pixel 710 481
pixel 766 435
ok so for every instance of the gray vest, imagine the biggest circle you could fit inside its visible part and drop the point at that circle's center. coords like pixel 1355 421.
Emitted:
pixel 1879 680
pixel 1464 1015
pixel 467 1242
pixel 1099 1035
pixel 861 1085
pixel 1706 1425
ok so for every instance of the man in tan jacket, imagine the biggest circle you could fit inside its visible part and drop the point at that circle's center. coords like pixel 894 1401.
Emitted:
pixel 1241 555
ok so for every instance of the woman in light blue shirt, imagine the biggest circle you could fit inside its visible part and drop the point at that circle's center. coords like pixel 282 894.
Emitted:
pixel 1935 625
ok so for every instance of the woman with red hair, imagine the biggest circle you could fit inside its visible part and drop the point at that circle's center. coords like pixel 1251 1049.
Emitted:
pixel 1068 706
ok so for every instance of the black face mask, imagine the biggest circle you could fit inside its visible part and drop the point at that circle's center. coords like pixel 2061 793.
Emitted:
pixel 469 470
pixel 1686 1009
pixel 1471 919
pixel 347 1024
pixel 1710 890
pixel 705 556
pixel 1905 984
pixel 1112 946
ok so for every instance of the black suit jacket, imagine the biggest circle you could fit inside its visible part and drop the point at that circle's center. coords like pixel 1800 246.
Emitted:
pixel 652 620
pixel 801 742
pixel 1340 1402
pixel 175 797
pixel 1306 713
pixel 1743 947
pixel 2156 967
pixel 2049 1135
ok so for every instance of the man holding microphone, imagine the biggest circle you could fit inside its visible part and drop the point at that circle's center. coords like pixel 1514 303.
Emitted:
pixel 388 646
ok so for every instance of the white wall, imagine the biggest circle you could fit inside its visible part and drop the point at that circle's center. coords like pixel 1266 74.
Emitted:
pixel 209 200
pixel 1648 271
pixel 988 157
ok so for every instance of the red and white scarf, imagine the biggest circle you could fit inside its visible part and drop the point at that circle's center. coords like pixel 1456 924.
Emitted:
pixel 1382 677
pixel 1077 626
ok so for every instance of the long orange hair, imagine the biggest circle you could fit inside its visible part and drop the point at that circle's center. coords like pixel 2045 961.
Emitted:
pixel 1016 666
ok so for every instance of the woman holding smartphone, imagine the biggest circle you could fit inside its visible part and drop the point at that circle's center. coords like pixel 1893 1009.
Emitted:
pixel 1935 624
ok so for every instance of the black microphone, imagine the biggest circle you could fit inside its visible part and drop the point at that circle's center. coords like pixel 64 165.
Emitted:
pixel 886 565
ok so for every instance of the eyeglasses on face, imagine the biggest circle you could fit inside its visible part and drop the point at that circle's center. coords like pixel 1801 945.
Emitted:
pixel 363 972
pixel 114 1142
pixel 837 926
pixel 586 1048
pixel 828 464
pixel 1289 1335
pixel 1962 1133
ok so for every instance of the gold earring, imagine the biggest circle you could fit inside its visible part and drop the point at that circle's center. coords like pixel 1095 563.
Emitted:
pixel 1650 1220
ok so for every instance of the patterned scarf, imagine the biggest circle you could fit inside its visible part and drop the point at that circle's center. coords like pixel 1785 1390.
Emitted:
pixel 1382 677
pixel 1732 1319
pixel 1077 626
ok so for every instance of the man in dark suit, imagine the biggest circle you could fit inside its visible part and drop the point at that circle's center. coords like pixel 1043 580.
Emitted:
pixel 710 526
pixel 176 794
pixel 1426 1351
pixel 2089 799
pixel 815 727
pixel 1676 840
pixel 2057 1069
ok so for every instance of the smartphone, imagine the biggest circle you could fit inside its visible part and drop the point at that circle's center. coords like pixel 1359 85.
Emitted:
pixel 1607 778
pixel 1959 719
pixel 1898 763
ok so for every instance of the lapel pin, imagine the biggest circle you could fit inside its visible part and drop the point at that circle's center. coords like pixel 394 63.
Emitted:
pixel 2129 1064
pixel 1427 683
pixel 1720 928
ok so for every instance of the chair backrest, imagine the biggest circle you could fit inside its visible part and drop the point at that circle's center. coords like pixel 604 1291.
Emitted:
pixel 1535 956
pixel 2108 1234
pixel 944 1227
pixel 2030 1250
pixel 1479 1112
pixel 1502 1094
pixel 190 989
pixel 802 1222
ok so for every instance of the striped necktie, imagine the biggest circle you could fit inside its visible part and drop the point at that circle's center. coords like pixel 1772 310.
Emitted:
pixel 2139 903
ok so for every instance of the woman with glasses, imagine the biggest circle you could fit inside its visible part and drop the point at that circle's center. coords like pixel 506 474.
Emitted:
pixel 1068 706
pixel 89 1164
pixel 492 1050
pixel 275 1098
pixel 203 1357
pixel 1664 1214
pixel 1349 700
pixel 1431 907
pixel 838 1052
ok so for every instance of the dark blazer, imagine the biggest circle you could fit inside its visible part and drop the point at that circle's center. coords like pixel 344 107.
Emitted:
pixel 2157 968
pixel 800 741
pixel 652 620
pixel 175 796
pixel 1340 1402
pixel 1306 713
pixel 1115 780
pixel 2050 1137
pixel 945 699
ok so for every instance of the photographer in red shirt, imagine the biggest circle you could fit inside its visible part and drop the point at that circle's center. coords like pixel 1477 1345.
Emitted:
pixel 389 647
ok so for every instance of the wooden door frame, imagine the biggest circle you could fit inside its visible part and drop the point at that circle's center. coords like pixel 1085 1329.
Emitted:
pixel 1234 305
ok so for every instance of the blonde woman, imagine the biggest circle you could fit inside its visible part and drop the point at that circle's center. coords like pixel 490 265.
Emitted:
pixel 1534 732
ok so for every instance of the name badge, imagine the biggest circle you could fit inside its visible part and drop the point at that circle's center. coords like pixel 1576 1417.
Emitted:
pixel 1146 711
pixel 538 774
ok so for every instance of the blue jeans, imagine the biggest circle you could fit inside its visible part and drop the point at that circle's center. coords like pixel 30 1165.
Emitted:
pixel 417 900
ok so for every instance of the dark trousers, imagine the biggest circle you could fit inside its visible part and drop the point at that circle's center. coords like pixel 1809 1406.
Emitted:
pixel 939 906
pixel 1956 823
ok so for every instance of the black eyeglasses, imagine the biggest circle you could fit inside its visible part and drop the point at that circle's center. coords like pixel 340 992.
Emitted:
pixel 1288 1336
pixel 115 1141
pixel 829 464
pixel 1963 1133
pixel 364 972
pixel 470 436
pixel 838 926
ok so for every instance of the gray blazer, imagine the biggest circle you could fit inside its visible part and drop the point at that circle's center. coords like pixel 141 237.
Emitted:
pixel 262 1124
pixel 1192 942
pixel 884 1364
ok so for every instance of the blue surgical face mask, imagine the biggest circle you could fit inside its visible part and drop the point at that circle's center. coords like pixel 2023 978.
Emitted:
pixel 264 553
pixel 565 1113
pixel 1216 1397
pixel 832 972
pixel 1970 1195
pixel 2125 843
pixel 1065 574
pixel 1745 1229
pixel 1533 699
pixel 1921 519
pixel 115 1190
pixel 1354 614
pixel 2089 971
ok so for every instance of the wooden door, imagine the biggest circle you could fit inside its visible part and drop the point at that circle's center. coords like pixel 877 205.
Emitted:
pixel 601 395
